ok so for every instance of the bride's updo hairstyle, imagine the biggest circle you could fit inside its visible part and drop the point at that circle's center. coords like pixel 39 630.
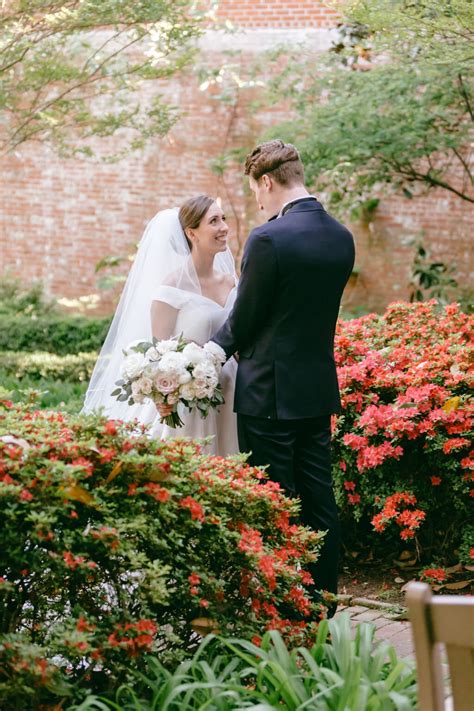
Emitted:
pixel 191 213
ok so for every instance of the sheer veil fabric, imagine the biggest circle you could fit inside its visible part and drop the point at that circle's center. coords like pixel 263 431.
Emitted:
pixel 163 270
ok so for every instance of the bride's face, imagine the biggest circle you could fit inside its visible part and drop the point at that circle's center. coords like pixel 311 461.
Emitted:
pixel 211 235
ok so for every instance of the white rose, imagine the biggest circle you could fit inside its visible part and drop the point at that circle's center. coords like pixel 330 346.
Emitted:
pixel 145 385
pixel 184 377
pixel 203 390
pixel 166 383
pixel 152 354
pixel 166 346
pixel 132 366
pixel 151 369
pixel 216 352
pixel 188 391
pixel 137 394
pixel 194 354
pixel 206 371
pixel 172 362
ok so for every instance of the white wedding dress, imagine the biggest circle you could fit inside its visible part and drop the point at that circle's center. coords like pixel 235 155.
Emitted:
pixel 163 251
pixel 198 318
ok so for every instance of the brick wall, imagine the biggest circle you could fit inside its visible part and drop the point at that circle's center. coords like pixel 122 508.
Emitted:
pixel 59 217
pixel 277 13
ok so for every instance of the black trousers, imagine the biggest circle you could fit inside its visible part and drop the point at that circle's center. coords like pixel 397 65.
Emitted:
pixel 299 455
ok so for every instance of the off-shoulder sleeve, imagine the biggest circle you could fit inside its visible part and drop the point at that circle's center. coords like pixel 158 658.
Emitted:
pixel 177 298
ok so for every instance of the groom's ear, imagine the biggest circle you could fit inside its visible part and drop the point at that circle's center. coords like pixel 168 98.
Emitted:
pixel 267 181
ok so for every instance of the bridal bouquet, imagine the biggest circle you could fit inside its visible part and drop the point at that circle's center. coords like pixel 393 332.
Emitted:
pixel 169 372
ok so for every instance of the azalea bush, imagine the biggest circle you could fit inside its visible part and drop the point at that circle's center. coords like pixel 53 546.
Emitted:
pixel 403 455
pixel 115 545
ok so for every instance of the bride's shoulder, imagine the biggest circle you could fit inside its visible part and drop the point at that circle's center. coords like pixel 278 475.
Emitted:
pixel 228 280
pixel 171 279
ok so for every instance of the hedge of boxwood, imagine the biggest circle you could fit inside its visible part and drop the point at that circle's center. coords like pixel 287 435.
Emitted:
pixel 71 367
pixel 55 333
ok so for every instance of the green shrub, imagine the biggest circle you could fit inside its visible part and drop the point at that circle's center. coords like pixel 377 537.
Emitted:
pixel 54 333
pixel 16 299
pixel 35 366
pixel 114 544
pixel 466 549
pixel 336 673
pixel 48 393
pixel 403 454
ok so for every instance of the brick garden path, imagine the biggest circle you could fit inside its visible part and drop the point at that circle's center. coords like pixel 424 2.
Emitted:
pixel 391 623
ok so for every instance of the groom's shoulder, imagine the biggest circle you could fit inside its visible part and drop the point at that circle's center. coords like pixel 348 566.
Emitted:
pixel 259 233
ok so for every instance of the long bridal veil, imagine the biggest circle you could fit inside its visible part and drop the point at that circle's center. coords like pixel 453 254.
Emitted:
pixel 163 258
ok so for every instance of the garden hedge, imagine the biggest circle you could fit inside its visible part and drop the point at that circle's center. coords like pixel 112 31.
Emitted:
pixel 54 333
pixel 38 365
pixel 73 368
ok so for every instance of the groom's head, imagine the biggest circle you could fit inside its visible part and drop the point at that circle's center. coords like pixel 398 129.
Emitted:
pixel 276 175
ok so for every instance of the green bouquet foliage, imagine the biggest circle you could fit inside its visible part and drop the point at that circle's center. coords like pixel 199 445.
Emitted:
pixel 115 545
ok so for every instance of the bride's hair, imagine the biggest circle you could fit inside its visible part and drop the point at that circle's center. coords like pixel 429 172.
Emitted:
pixel 191 213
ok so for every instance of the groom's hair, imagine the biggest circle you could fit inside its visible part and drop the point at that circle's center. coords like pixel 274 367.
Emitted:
pixel 280 159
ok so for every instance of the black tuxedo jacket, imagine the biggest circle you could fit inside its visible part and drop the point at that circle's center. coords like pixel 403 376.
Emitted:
pixel 294 270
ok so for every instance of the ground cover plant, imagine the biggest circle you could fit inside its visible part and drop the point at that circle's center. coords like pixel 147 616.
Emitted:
pixel 342 670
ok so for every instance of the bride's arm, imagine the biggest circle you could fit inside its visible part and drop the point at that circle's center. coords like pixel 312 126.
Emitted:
pixel 163 320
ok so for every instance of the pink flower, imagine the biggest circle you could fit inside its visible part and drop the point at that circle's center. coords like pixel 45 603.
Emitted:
pixel 439 575
pixel 455 443
pixel 195 508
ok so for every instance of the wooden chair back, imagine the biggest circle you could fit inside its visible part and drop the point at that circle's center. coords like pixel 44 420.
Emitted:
pixel 448 620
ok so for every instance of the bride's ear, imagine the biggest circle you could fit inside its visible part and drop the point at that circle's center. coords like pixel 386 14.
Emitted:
pixel 190 237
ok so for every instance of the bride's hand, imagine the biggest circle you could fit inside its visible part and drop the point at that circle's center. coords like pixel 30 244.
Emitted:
pixel 164 410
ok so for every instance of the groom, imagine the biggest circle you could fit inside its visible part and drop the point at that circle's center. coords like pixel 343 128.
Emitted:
pixel 294 270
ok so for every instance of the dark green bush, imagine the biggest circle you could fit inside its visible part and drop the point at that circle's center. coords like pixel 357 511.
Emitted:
pixel 55 333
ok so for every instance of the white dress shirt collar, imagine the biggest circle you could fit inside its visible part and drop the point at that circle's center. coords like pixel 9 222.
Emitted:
pixel 295 200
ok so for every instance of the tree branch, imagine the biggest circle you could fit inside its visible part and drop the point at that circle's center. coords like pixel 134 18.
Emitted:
pixel 465 96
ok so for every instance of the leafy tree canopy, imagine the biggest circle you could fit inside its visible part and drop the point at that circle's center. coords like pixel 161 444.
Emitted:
pixel 73 70
pixel 391 107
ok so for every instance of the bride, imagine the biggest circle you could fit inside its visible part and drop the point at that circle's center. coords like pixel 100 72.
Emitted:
pixel 182 282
